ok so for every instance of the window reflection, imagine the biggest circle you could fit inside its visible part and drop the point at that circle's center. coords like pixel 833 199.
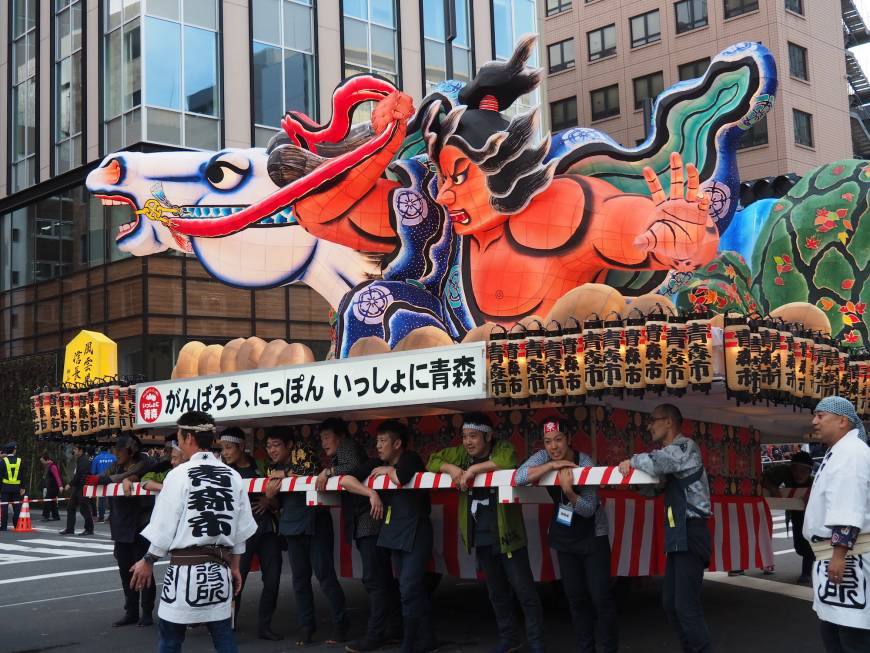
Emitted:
pixel 23 94
pixel 511 19
pixel 438 66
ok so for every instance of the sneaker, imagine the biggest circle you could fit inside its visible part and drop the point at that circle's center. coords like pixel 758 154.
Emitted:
pixel 365 644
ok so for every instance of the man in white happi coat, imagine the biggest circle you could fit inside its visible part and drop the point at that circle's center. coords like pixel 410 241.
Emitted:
pixel 201 519
pixel 838 514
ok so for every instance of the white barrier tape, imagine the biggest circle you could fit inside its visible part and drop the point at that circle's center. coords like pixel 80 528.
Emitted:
pixel 15 503
pixel 583 476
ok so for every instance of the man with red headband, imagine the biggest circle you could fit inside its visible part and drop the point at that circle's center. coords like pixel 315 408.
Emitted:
pixel 495 530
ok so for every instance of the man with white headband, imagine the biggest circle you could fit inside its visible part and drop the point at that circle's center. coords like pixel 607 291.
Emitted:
pixel 837 524
pixel 202 519
pixel 495 531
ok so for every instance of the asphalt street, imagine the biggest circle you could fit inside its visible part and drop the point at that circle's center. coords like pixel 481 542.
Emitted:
pixel 62 593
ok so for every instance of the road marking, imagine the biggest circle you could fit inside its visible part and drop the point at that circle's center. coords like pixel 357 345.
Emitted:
pixel 779 553
pixel 59 598
pixel 10 558
pixel 62 574
pixel 773 586
pixel 81 545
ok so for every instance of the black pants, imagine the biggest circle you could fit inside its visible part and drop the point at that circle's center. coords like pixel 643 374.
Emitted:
pixel 80 503
pixel 684 572
pixel 49 508
pixel 843 639
pixel 586 582
pixel 385 608
pixel 418 632
pixel 801 546
pixel 314 553
pixel 507 576
pixel 7 496
pixel 268 547
pixel 128 554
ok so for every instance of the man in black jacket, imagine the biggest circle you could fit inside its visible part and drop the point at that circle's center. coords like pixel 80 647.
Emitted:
pixel 77 500
pixel 129 515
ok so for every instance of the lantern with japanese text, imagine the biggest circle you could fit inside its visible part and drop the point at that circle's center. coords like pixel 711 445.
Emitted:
pixel 84 413
pixel 573 347
pixel 656 346
pixel 43 412
pixel 635 353
pixel 496 353
pixel 755 358
pixel 809 364
pixel 102 406
pixel 64 407
pixel 738 357
pixel 862 405
pixel 74 425
pixel 518 370
pixel 127 411
pixel 821 365
pixel 699 336
pixel 800 349
pixel 593 356
pixel 54 413
pixel 34 414
pixel 113 405
pixel 676 356
pixel 842 373
pixel 554 362
pixel 536 361
pixel 769 360
pixel 788 365
pixel 613 354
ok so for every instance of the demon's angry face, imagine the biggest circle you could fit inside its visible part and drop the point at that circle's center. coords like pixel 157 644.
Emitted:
pixel 462 190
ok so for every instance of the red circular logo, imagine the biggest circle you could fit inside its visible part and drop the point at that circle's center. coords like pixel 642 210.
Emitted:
pixel 150 404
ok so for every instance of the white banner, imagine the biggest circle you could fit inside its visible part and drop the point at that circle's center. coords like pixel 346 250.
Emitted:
pixel 424 376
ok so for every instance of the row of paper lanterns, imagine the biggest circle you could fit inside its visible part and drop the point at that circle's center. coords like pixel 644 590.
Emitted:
pixel 105 408
pixel 764 360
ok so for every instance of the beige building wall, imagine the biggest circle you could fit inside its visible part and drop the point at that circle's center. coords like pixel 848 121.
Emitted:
pixel 824 96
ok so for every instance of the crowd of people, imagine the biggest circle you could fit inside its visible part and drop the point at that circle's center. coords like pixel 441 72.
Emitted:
pixel 211 528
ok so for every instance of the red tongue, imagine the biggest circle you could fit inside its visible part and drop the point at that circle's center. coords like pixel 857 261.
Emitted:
pixel 458 216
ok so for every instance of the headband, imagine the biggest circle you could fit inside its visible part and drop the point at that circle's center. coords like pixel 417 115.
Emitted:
pixel 200 428
pixel 551 427
pixel 475 426
pixel 232 438
pixel 844 408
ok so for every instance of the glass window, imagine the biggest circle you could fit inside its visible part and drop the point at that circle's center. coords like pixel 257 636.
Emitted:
pixel 282 64
pixel 601 42
pixel 797 62
pixel 755 135
pixel 803 128
pixel 563 114
pixel 645 28
pixel 693 69
pixel 122 70
pixel 440 61
pixel 561 55
pixel 605 102
pixel 796 6
pixel 22 106
pixel 200 72
pixel 738 7
pixel 691 14
pixel 648 86
pixel 511 20
pixel 163 69
pixel 557 6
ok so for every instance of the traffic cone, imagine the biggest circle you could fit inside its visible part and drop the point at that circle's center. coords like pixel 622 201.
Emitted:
pixel 24 525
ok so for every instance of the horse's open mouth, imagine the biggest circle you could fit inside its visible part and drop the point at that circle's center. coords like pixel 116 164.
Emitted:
pixel 118 200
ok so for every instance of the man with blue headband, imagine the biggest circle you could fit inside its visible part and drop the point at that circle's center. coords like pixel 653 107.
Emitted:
pixel 837 523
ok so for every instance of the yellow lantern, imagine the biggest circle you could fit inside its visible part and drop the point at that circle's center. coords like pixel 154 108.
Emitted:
pixel 738 357
pixel 518 370
pixel 34 414
pixel 676 356
pixel 699 335
pixel 574 347
pixel 554 362
pixel 536 362
pixel 613 354
pixel 496 354
pixel 635 353
pixel 656 345
pixel 593 356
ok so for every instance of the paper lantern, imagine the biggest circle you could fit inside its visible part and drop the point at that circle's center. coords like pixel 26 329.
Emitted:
pixel 575 362
pixel 738 358
pixel 43 412
pixel 842 373
pixel 755 362
pixel 769 359
pixel 89 414
pixel 635 352
pixel 699 336
pixel 554 362
pixel 822 351
pixel 74 423
pixel 656 344
pixel 536 361
pixel 64 405
pixel 517 370
pixel 126 415
pixel 613 354
pixel 593 356
pixel 84 413
pixel 113 405
pixel 102 407
pixel 54 413
pixel 788 365
pixel 676 356
pixel 497 364
pixel 801 350
pixel 862 404
pixel 34 415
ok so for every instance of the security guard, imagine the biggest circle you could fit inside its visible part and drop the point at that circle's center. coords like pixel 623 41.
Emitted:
pixel 11 490
pixel 687 508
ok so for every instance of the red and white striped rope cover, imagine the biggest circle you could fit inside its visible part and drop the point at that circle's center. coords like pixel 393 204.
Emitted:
pixel 423 481
pixel 791 498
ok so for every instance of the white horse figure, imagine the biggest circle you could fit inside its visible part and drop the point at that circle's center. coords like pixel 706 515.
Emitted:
pixel 273 252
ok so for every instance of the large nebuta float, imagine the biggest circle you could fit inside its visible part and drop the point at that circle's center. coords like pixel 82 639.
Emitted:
pixel 452 216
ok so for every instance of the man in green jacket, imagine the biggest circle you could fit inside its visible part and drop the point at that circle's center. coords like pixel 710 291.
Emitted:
pixel 494 530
